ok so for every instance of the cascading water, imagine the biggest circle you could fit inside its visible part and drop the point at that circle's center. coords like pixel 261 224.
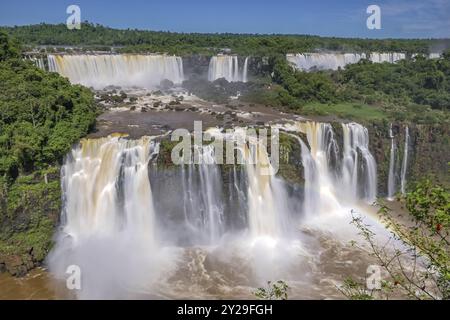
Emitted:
pixel 359 173
pixel 405 162
pixel 391 177
pixel 38 61
pixel 320 195
pixel 133 226
pixel 108 215
pixel 100 71
pixel 245 71
pixel 333 61
pixel 331 180
pixel 225 66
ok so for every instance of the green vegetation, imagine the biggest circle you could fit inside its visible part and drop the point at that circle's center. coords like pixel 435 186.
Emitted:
pixel 412 90
pixel 415 90
pixel 273 291
pixel 351 111
pixel 420 270
pixel 29 212
pixel 420 81
pixel 41 116
pixel 94 37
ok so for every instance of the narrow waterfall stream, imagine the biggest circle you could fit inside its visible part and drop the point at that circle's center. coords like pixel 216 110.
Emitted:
pixel 391 176
pixel 405 161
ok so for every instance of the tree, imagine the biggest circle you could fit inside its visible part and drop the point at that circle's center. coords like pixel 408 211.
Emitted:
pixel 421 268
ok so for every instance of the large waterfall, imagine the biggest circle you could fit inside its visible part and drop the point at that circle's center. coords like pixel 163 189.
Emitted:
pixel 334 179
pixel 100 71
pixel 333 61
pixel 130 223
pixel 226 66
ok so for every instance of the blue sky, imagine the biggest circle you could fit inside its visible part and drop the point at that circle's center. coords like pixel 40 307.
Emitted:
pixel 346 18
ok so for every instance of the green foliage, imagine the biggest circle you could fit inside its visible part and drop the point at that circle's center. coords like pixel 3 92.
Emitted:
pixel 419 81
pixel 430 206
pixel 351 111
pixel 29 210
pixel 93 36
pixel 273 291
pixel 8 48
pixel 41 116
pixel 415 90
pixel 420 269
pixel 354 290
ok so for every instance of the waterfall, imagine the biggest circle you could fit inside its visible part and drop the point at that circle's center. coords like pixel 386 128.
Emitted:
pixel 262 208
pixel 333 61
pixel 319 179
pixel 106 187
pixel 245 72
pixel 203 203
pixel 391 177
pixel 321 61
pixel 225 66
pixel 332 180
pixel 108 218
pixel 38 61
pixel 405 162
pixel 434 55
pixel 359 175
pixel 390 57
pixel 100 71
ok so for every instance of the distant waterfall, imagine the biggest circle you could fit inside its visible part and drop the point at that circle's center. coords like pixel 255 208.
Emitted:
pixel 405 162
pixel 245 72
pixel 333 61
pixel 390 57
pixel 100 71
pixel 225 66
pixel 434 55
pixel 38 61
pixel 391 177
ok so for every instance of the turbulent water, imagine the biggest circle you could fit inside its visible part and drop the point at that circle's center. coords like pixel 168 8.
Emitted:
pixel 99 71
pixel 226 66
pixel 139 229
pixel 333 61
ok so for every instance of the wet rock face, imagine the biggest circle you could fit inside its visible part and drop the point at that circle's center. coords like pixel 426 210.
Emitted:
pixel 17 265
pixel 428 154
pixel 196 65
pixel 29 213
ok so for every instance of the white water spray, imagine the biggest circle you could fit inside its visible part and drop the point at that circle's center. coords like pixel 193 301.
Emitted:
pixel 225 66
pixel 333 61
pixel 100 71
